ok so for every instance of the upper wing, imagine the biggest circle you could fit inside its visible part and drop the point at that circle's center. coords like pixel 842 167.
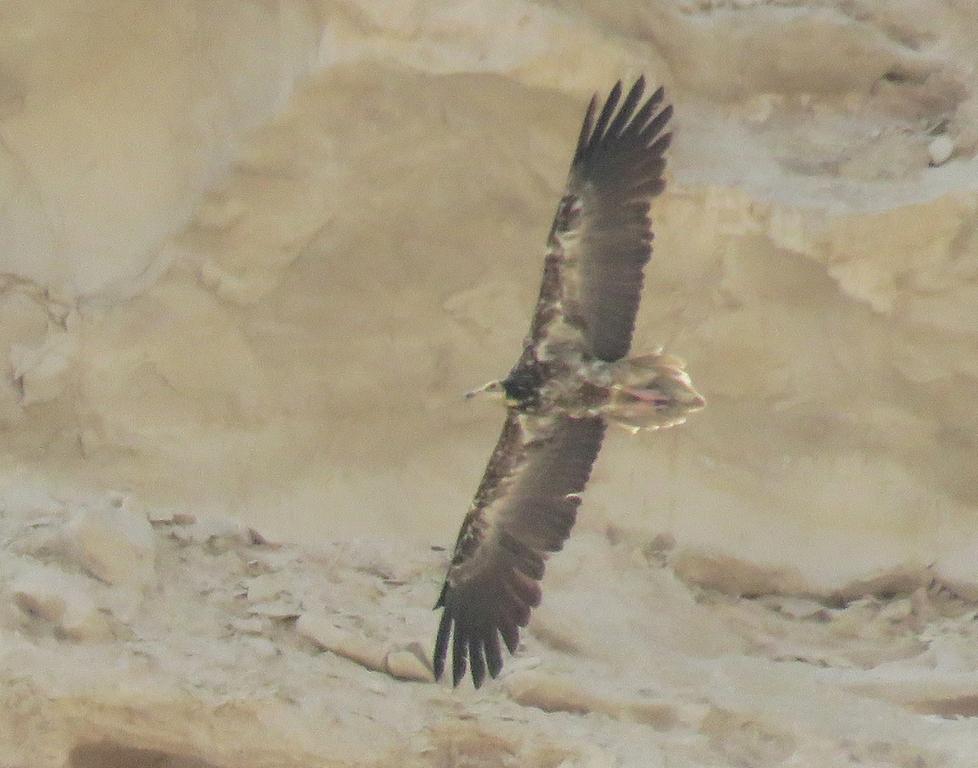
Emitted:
pixel 524 508
pixel 601 237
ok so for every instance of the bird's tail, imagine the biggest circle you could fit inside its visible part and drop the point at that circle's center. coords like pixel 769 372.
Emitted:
pixel 652 392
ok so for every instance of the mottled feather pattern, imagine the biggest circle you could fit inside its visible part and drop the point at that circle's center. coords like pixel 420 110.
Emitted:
pixel 527 502
pixel 593 269
pixel 489 593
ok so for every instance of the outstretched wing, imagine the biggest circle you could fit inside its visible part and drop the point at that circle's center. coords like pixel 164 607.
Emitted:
pixel 601 237
pixel 523 510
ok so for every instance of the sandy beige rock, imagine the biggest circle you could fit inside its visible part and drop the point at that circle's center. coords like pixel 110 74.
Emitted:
pixel 114 544
pixel 252 254
pixel 62 601
pixel 764 685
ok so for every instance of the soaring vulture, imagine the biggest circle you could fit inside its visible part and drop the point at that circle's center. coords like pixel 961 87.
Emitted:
pixel 570 380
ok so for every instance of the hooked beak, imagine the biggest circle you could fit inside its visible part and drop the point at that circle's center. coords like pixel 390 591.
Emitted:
pixel 492 389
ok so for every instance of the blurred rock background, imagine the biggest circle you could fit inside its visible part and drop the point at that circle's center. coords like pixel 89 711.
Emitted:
pixel 251 255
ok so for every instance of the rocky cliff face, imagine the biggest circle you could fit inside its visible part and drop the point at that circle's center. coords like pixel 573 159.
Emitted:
pixel 252 254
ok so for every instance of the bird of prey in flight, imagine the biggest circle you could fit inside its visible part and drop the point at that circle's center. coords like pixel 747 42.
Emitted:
pixel 571 379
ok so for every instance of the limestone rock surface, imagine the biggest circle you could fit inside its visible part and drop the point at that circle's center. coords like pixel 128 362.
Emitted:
pixel 693 677
pixel 251 256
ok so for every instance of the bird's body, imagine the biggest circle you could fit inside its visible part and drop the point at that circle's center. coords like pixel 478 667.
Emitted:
pixel 647 392
pixel 570 380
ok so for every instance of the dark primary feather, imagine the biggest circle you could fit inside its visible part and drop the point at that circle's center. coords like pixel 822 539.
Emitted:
pixel 601 237
pixel 523 510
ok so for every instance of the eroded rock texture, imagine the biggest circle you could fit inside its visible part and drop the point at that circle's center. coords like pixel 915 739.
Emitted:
pixel 252 254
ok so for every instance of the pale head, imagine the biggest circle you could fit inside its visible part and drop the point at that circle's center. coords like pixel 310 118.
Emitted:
pixel 493 390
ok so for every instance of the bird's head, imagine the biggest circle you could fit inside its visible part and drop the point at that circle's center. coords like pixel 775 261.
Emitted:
pixel 518 390
pixel 493 390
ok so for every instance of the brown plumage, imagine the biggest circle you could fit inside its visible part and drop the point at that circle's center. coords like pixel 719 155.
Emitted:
pixel 570 380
